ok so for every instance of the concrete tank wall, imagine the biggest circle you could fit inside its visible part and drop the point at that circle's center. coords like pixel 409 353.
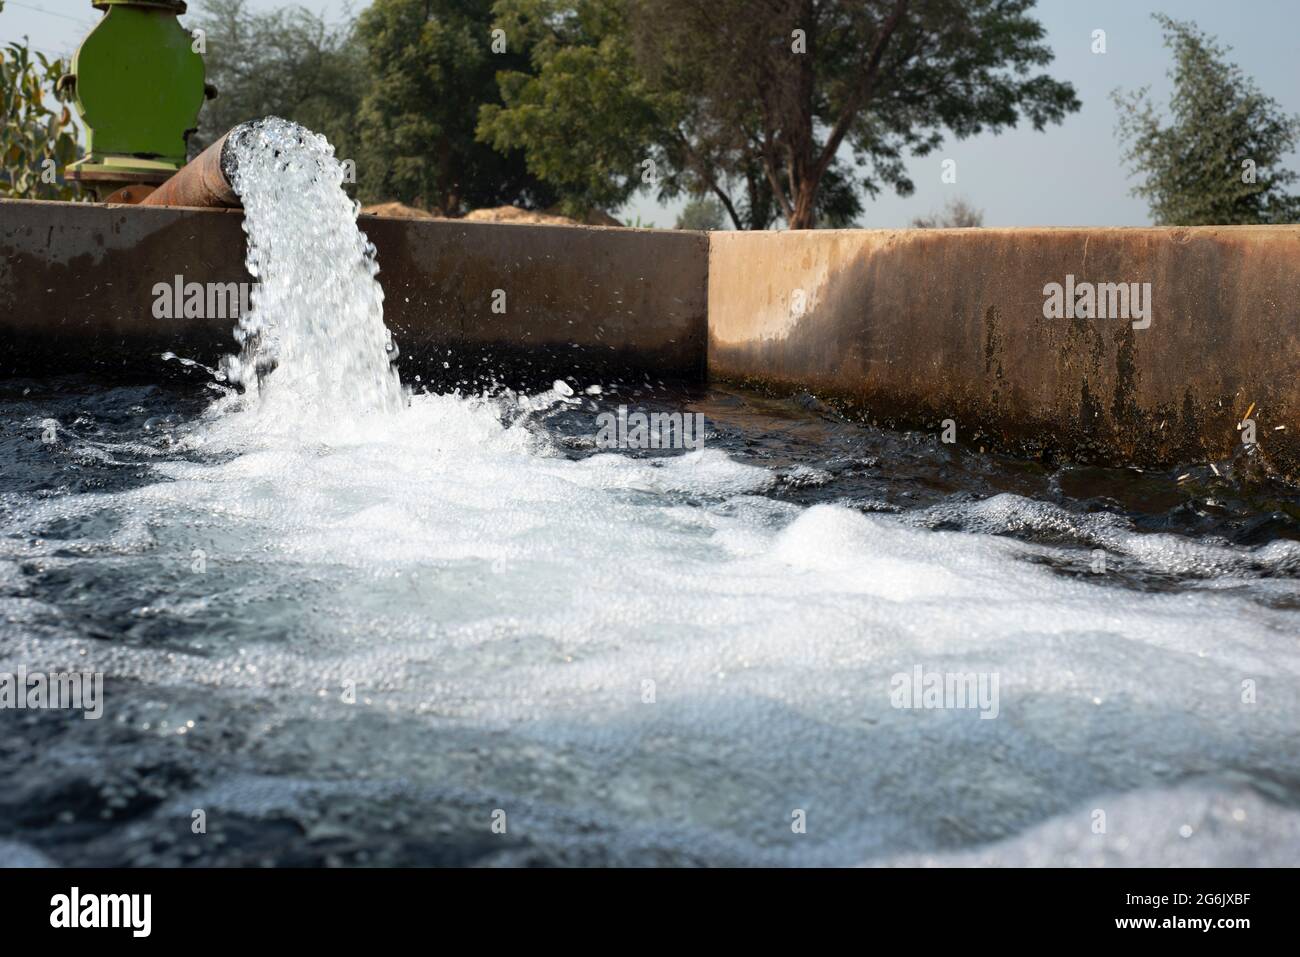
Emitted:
pixel 907 328
pixel 77 294
pixel 913 327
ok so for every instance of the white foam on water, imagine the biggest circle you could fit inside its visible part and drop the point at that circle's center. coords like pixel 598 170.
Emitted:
pixel 1172 554
pixel 473 581
pixel 1156 827
pixel 652 645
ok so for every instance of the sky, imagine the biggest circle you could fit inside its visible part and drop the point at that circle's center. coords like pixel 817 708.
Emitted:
pixel 1068 175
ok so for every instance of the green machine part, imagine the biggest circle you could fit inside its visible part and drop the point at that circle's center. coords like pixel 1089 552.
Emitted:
pixel 138 85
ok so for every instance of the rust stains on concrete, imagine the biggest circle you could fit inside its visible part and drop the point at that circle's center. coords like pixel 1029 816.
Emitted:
pixel 912 327
pixel 901 327
pixel 76 294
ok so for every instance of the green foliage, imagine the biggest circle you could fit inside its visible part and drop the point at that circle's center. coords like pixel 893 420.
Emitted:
pixel 38 138
pixel 577 108
pixel 702 214
pixel 957 213
pixel 734 103
pixel 584 95
pixel 1220 160
pixel 431 65
pixel 289 63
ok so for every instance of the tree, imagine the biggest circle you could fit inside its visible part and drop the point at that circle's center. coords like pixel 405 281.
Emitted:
pixel 38 139
pixel 432 63
pixel 756 102
pixel 1220 160
pixel 957 214
pixel 289 63
pixel 576 108
pixel 702 214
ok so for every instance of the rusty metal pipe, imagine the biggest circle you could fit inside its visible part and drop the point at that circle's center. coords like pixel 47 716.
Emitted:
pixel 204 182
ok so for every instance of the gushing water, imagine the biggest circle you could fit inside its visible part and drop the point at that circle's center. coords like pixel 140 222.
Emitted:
pixel 350 629
pixel 317 314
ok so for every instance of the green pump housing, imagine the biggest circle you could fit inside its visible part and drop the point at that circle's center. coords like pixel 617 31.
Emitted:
pixel 138 85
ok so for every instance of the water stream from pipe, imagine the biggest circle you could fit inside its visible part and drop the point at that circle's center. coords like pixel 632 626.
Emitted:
pixel 353 625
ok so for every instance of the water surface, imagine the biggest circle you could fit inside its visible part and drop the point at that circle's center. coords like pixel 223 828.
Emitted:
pixel 352 640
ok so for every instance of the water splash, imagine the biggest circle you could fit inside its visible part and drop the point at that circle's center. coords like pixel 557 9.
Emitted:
pixel 314 342
pixel 501 609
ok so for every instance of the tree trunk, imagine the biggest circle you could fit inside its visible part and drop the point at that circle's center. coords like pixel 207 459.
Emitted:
pixel 804 169
pixel 805 204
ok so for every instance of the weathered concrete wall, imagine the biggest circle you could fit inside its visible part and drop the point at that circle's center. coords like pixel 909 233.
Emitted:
pixel 77 294
pixel 913 327
pixel 904 327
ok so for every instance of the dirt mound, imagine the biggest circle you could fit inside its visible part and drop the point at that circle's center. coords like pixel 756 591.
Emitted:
pixel 397 211
pixel 513 214
pixel 496 214
pixel 594 217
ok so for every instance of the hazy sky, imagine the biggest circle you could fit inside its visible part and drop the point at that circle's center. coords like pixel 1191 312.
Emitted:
pixel 1069 175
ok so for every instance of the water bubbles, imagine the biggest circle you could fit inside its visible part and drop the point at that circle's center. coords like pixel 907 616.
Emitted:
pixel 500 606
pixel 314 341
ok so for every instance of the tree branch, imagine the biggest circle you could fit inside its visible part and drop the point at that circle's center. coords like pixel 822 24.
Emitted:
pixel 862 90
pixel 706 173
